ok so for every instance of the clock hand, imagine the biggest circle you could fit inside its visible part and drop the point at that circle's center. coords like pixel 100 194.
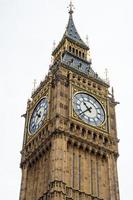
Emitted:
pixel 38 114
pixel 83 112
pixel 88 108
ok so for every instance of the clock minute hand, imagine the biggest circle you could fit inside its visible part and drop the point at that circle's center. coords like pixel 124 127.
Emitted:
pixel 83 112
pixel 88 108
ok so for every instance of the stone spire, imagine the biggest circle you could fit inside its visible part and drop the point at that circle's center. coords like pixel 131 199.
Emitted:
pixel 71 31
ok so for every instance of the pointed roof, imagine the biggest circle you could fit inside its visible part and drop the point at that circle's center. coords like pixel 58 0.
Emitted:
pixel 71 32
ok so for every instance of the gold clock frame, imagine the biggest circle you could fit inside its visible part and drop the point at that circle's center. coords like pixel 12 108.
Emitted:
pixel 103 102
pixel 31 113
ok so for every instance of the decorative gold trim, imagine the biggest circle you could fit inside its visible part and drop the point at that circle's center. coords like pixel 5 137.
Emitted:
pixel 30 115
pixel 102 103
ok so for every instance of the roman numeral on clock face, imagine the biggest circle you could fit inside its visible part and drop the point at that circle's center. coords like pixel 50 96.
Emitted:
pixel 38 115
pixel 89 109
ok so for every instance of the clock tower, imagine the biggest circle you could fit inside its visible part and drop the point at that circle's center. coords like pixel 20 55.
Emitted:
pixel 70 145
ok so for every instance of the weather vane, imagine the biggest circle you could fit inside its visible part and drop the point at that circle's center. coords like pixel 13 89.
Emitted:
pixel 71 7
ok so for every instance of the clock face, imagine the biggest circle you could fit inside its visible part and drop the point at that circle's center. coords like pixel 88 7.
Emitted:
pixel 88 109
pixel 38 115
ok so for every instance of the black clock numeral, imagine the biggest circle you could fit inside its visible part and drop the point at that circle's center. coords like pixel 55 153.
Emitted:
pixel 88 109
pixel 38 115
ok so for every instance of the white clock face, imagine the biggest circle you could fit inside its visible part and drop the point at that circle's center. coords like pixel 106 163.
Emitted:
pixel 38 115
pixel 88 109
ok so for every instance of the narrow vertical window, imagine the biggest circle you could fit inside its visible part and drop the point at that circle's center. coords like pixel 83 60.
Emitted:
pixel 73 50
pixel 76 52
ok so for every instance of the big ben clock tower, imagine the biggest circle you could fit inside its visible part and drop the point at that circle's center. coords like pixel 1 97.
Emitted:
pixel 70 145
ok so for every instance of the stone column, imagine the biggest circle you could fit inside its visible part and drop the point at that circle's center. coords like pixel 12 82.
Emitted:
pixel 94 175
pixel 100 192
pixel 86 172
pixel 116 179
pixel 89 174
pixel 58 158
pixel 76 168
pixel 23 183
pixel 35 180
pixel 110 174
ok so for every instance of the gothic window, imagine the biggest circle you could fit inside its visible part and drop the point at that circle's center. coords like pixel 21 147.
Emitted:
pixel 99 88
pixel 105 141
pixel 73 50
pixel 83 55
pixel 78 127
pixel 84 81
pixel 94 136
pixel 76 52
pixel 72 127
pixel 73 76
pixel 83 131
pixel 89 83
pixel 94 85
pixel 70 48
pixel 78 78
pixel 79 53
pixel 100 137
pixel 89 132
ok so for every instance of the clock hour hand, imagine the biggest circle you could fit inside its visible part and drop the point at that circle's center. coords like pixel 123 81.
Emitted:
pixel 38 115
pixel 88 108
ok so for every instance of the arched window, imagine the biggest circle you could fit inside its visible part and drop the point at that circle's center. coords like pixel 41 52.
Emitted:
pixel 73 50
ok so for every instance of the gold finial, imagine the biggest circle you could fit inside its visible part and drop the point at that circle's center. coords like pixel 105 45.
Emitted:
pixel 54 44
pixel 106 74
pixel 87 40
pixel 34 85
pixel 112 93
pixel 71 7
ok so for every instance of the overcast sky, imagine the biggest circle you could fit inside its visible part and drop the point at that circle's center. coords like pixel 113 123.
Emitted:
pixel 27 31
